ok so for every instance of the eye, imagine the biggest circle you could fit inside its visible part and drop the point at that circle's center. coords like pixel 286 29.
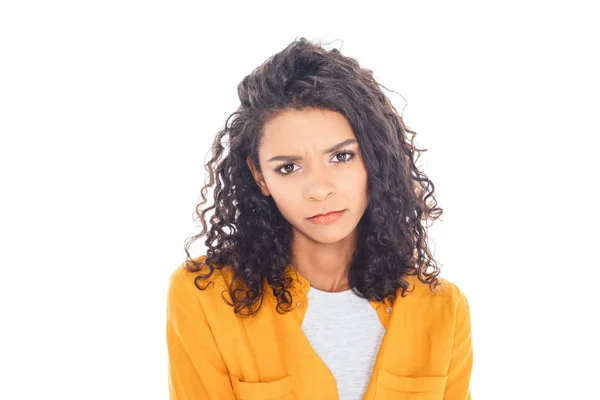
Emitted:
pixel 285 167
pixel 340 160
pixel 345 153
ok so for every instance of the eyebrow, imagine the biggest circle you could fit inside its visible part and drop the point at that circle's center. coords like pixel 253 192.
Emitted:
pixel 329 150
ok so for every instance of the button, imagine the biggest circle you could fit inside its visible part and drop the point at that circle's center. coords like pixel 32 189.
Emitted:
pixel 388 310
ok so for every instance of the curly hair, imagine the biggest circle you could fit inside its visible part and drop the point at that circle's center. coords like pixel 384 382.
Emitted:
pixel 248 234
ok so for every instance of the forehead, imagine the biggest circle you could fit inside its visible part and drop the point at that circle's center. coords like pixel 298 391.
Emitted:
pixel 305 130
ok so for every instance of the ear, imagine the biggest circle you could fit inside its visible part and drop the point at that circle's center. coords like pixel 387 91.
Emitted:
pixel 258 178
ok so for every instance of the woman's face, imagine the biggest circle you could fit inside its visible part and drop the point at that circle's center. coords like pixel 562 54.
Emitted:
pixel 307 173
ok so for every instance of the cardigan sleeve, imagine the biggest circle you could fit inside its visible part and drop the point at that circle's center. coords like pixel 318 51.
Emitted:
pixel 459 372
pixel 196 369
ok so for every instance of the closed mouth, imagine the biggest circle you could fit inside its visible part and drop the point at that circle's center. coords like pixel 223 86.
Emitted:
pixel 321 215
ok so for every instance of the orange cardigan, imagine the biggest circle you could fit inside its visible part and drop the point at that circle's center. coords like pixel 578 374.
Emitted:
pixel 426 352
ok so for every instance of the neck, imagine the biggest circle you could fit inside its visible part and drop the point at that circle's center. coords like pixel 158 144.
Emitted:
pixel 324 265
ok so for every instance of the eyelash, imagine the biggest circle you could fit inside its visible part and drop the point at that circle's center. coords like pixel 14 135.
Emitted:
pixel 350 152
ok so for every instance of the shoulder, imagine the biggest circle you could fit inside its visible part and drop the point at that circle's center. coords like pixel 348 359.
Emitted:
pixel 440 312
pixel 185 281
pixel 447 294
pixel 189 270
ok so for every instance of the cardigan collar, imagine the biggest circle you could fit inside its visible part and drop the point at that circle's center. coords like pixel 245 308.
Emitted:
pixel 301 286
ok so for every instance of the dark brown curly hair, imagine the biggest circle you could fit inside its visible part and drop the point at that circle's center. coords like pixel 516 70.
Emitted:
pixel 249 236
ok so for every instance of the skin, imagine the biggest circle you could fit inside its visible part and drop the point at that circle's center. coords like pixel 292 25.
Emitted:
pixel 318 183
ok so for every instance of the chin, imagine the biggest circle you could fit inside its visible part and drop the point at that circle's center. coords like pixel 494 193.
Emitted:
pixel 326 237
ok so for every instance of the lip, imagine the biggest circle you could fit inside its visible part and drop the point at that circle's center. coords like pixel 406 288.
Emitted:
pixel 327 213
pixel 326 218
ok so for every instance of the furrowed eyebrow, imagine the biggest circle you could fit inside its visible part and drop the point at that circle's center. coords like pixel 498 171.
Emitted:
pixel 329 150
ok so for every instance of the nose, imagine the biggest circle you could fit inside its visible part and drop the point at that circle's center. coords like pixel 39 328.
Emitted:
pixel 320 187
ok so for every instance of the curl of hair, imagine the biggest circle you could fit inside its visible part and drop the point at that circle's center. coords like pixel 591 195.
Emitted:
pixel 248 234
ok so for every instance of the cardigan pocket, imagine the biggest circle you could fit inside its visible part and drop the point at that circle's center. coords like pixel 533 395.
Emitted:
pixel 280 389
pixel 390 386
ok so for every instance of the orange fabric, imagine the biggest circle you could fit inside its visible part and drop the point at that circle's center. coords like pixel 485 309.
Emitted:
pixel 426 352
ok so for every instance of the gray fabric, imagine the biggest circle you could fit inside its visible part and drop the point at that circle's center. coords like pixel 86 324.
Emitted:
pixel 345 331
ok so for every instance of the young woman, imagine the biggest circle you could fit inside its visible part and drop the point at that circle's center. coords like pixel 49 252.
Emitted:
pixel 317 282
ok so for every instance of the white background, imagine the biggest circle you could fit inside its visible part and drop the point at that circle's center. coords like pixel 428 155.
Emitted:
pixel 107 110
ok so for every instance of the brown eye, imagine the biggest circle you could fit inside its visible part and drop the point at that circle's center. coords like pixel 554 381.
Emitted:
pixel 288 169
pixel 344 154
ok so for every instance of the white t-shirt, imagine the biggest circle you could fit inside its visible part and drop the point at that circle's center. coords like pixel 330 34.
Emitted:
pixel 345 331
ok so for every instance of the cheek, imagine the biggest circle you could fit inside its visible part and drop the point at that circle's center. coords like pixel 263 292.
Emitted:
pixel 356 188
pixel 355 181
pixel 287 197
pixel 281 186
